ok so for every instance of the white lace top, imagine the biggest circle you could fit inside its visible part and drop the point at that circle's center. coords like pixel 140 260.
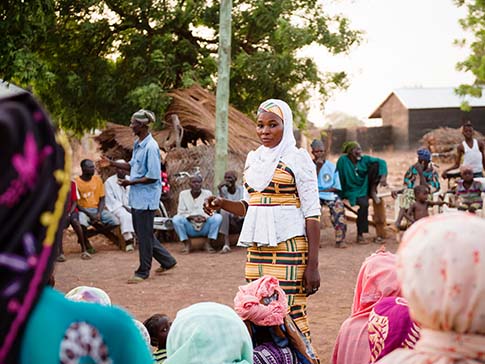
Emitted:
pixel 270 224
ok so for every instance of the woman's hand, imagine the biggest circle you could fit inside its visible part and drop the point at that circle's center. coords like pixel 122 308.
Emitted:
pixel 311 280
pixel 211 204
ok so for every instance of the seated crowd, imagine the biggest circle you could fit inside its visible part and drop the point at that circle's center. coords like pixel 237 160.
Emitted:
pixel 106 207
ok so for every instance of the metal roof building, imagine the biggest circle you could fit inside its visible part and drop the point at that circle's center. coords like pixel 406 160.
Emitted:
pixel 412 112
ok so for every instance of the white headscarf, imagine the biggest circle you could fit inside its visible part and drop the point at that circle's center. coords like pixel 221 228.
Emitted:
pixel 262 162
pixel 442 271
pixel 89 294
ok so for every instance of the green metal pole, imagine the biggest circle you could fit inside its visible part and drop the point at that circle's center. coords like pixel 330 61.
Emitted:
pixel 222 96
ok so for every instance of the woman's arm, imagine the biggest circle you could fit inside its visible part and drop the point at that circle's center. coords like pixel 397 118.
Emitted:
pixel 306 184
pixel 311 276
pixel 213 203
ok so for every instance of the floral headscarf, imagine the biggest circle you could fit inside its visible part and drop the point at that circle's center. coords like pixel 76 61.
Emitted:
pixel 262 302
pixel 89 294
pixel 441 267
pixel 34 184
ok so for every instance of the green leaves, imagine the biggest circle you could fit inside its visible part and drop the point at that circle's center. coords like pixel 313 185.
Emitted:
pixel 95 61
pixel 475 62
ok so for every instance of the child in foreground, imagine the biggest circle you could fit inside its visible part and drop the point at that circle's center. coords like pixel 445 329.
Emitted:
pixel 419 208
pixel 158 327
pixel 468 191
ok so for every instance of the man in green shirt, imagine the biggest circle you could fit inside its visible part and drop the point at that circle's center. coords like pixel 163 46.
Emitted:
pixel 359 176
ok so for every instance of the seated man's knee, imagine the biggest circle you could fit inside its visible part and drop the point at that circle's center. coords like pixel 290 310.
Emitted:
pixel 216 218
pixel 83 220
pixel 109 219
pixel 178 219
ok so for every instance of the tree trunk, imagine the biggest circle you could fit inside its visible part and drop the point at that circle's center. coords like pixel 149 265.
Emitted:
pixel 222 96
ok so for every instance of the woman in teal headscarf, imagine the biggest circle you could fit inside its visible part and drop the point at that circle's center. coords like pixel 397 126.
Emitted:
pixel 208 332
pixel 38 324
pixel 359 176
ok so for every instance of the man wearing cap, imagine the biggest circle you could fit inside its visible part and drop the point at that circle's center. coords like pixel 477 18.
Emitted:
pixel 144 195
pixel 117 203
pixel 423 173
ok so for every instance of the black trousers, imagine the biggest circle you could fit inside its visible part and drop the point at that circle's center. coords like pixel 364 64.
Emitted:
pixel 149 246
pixel 363 202
pixel 363 215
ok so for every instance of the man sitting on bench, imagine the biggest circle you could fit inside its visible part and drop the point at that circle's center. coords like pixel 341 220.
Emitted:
pixel 91 201
pixel 191 220
pixel 117 203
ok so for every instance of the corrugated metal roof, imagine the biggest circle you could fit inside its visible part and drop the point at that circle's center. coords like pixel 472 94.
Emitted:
pixel 430 98
pixel 9 89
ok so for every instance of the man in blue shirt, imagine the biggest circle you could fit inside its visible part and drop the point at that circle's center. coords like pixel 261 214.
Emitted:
pixel 328 185
pixel 144 197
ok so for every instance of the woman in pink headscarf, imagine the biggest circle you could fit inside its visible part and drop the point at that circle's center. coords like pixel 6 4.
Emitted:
pixel 441 267
pixel 377 279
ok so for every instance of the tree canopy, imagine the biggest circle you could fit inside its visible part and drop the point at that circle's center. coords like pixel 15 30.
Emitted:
pixel 474 22
pixel 94 61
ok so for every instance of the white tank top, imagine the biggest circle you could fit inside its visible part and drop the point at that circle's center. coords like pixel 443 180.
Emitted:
pixel 472 156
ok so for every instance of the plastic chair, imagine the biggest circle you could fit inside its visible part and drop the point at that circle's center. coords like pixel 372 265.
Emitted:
pixel 162 222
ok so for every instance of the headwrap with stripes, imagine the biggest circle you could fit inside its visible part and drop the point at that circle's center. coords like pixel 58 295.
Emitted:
pixel 34 184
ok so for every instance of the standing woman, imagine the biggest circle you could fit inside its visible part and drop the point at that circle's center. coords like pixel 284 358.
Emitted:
pixel 282 211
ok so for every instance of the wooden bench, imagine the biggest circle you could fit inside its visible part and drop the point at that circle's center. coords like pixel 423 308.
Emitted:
pixel 112 232
pixel 199 243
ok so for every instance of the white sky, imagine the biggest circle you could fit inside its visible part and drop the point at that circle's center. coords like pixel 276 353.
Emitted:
pixel 405 44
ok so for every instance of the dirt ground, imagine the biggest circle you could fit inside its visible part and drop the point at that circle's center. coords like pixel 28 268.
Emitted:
pixel 202 277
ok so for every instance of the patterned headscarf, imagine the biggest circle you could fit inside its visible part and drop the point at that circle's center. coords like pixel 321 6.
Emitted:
pixel 377 279
pixel 262 302
pixel 34 184
pixel 271 106
pixel 390 327
pixel 89 294
pixel 208 332
pixel 424 154
pixel 263 161
pixel 441 267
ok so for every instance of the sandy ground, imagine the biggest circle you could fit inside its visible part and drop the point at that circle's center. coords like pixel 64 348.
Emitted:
pixel 202 277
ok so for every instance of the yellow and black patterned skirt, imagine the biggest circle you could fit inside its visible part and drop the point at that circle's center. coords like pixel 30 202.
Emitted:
pixel 286 262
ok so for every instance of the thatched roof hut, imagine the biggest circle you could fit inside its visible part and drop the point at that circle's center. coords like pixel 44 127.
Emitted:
pixel 194 132
pixel 196 112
